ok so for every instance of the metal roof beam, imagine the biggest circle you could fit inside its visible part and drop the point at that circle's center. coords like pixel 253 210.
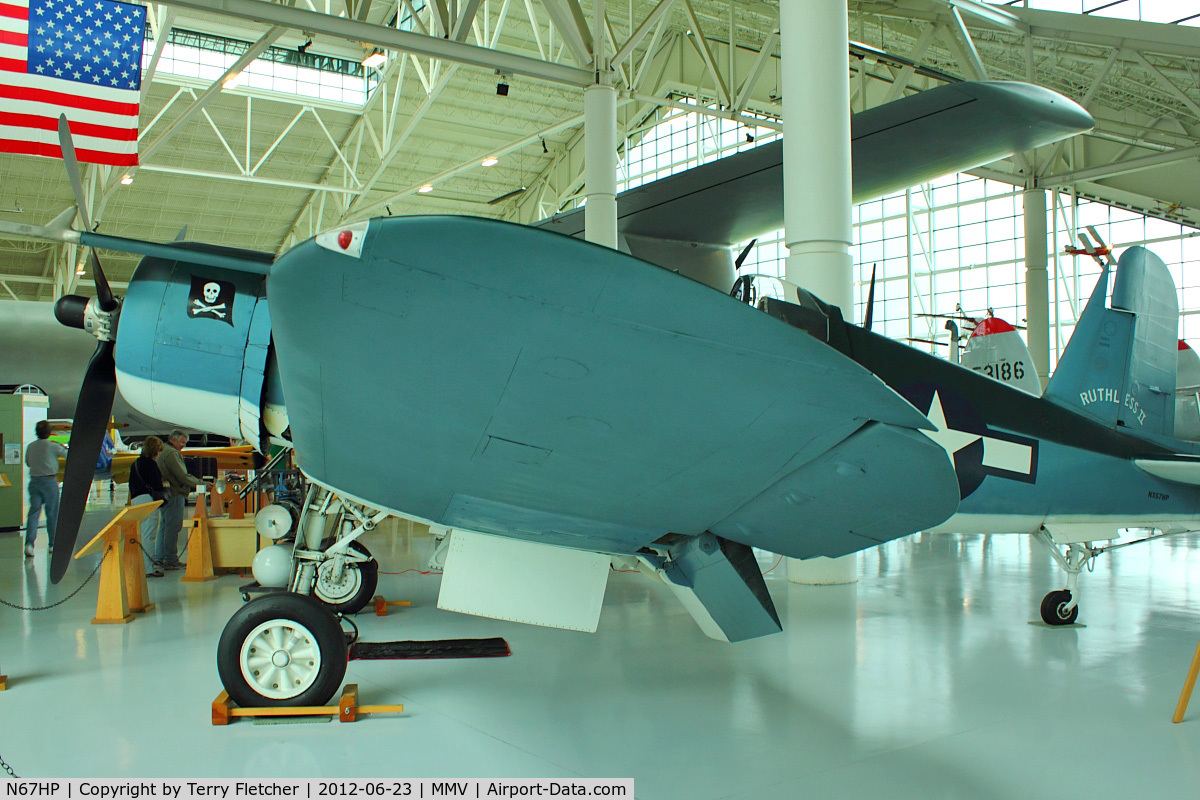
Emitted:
pixel 463 27
pixel 215 88
pixel 1123 167
pixel 966 45
pixel 701 44
pixel 1164 81
pixel 391 38
pixel 572 27
pixel 638 35
pixel 1150 37
pixel 229 176
pixel 900 82
pixel 990 13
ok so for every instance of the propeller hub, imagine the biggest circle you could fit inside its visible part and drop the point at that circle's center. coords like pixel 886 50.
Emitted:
pixel 76 311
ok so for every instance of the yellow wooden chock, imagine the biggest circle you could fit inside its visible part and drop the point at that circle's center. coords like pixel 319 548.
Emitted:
pixel 1188 685
pixel 381 604
pixel 348 708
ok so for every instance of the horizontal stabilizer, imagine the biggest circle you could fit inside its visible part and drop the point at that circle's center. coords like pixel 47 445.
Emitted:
pixel 1178 471
pixel 719 583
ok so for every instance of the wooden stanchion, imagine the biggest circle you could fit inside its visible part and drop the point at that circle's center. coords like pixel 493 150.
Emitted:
pixel 1188 685
pixel 235 504
pixel 200 559
pixel 122 579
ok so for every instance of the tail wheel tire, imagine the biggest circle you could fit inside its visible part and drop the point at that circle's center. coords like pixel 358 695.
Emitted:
pixel 355 590
pixel 1054 608
pixel 282 650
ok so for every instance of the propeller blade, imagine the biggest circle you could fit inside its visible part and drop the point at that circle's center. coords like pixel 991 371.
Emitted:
pixel 870 315
pixel 737 264
pixel 92 413
pixel 103 290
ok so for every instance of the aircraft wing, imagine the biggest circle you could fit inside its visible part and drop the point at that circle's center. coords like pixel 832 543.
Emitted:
pixel 947 129
pixel 541 387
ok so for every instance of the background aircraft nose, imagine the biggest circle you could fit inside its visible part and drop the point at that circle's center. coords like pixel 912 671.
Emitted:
pixel 1053 114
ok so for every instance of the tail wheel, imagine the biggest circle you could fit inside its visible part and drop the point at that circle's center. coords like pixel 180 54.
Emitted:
pixel 356 588
pixel 1054 608
pixel 282 650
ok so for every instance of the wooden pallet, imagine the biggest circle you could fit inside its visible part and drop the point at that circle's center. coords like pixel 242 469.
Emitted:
pixel 348 708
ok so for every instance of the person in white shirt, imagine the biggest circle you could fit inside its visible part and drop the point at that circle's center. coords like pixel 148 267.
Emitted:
pixel 41 456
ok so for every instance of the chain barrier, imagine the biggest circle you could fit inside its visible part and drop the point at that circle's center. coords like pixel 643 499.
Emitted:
pixel 4 765
pixel 157 564
pixel 86 581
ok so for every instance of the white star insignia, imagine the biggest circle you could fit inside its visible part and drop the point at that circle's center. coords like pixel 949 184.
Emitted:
pixel 947 438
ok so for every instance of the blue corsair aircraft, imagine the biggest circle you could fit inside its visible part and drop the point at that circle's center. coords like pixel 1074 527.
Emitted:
pixel 1110 412
pixel 538 394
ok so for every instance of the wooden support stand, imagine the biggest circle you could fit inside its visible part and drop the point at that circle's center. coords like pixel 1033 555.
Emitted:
pixel 200 559
pixel 1188 685
pixel 381 604
pixel 3 682
pixel 348 709
pixel 122 578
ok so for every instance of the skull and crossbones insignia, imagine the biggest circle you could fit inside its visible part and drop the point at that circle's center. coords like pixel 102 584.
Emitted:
pixel 211 299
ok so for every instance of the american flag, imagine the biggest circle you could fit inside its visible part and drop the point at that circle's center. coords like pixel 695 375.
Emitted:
pixel 82 58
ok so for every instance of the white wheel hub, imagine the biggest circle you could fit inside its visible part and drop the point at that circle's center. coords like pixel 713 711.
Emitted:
pixel 280 659
pixel 332 591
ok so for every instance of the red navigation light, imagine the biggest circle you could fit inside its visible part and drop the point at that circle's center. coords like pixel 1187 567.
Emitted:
pixel 344 239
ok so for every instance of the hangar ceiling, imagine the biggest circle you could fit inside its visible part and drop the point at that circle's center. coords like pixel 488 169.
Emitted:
pixel 251 167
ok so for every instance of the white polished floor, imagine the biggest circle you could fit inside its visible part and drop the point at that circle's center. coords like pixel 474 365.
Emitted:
pixel 923 680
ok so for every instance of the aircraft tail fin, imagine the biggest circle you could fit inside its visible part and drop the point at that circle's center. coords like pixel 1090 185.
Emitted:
pixel 1120 366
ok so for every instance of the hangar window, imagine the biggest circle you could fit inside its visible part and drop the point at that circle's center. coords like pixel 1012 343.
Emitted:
pixel 205 57
pixel 1174 12
pixel 676 139
pixel 958 242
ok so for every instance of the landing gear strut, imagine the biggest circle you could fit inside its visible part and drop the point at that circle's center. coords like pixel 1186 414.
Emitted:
pixel 288 649
pixel 1060 607
pixel 329 562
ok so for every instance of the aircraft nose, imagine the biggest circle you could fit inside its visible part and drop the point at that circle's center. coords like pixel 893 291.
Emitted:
pixel 1069 115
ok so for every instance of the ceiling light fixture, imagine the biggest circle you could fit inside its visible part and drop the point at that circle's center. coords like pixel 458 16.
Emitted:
pixel 491 161
pixel 375 60
pixel 126 179
pixel 426 189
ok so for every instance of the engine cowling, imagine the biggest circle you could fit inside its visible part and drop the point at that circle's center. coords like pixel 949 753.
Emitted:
pixel 194 348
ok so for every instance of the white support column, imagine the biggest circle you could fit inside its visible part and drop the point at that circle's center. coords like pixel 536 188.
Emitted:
pixel 1037 291
pixel 816 150
pixel 817 181
pixel 600 164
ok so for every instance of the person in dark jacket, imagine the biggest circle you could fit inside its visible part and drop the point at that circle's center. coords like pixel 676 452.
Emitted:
pixel 146 486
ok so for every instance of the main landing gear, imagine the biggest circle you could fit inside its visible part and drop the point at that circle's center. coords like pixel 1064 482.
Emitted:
pixel 1060 607
pixel 288 648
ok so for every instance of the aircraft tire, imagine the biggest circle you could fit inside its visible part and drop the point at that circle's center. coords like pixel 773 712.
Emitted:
pixel 1053 611
pixel 364 580
pixel 307 654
